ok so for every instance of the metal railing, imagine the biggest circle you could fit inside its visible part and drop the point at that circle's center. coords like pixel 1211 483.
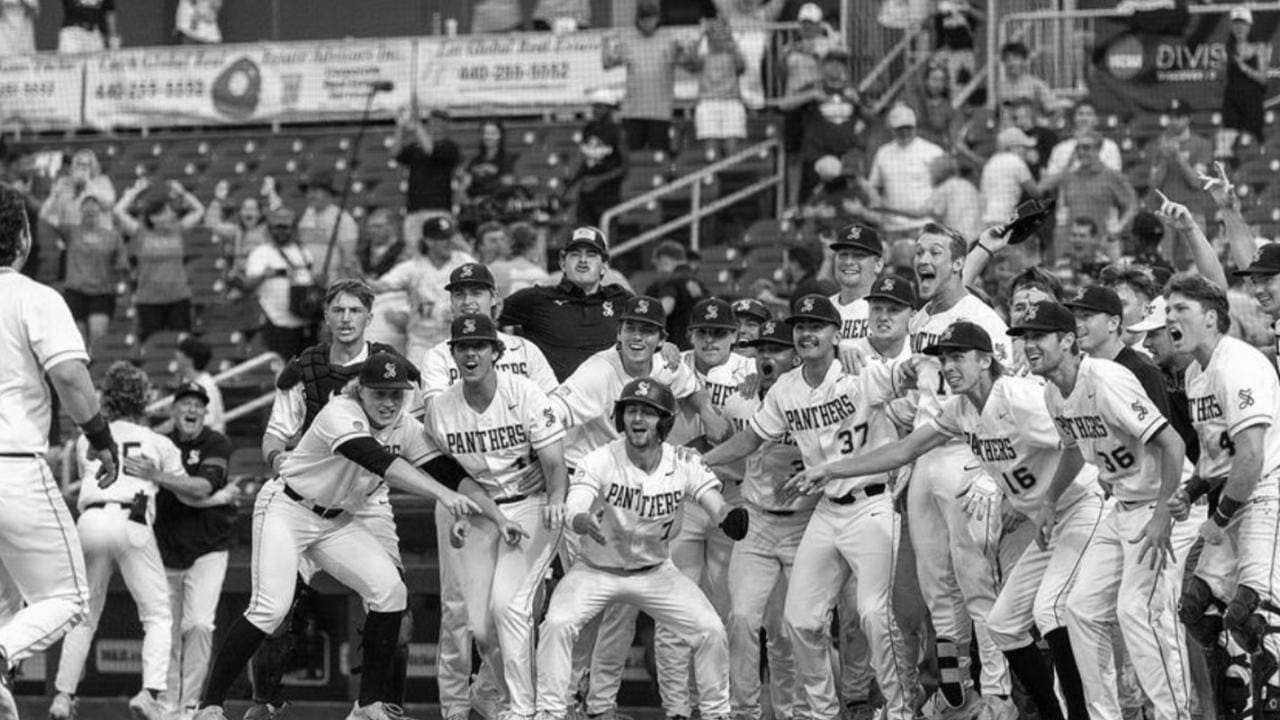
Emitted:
pixel 900 64
pixel 698 210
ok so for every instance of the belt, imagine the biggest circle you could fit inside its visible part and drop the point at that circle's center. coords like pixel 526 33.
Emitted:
pixel 625 571
pixel 324 512
pixel 512 499
pixel 853 496
pixel 24 455
pixel 101 504
pixel 779 513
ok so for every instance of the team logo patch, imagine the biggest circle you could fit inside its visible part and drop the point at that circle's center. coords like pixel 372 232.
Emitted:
pixel 193 457
pixel 768 328
pixel 607 308
pixel 1140 409
pixel 888 285
pixel 642 307
pixel 712 312
pixel 468 326
pixel 807 305
pixel 947 335
pixel 1079 295
pixel 357 425
pixel 642 388
pixel 1257 256
pixel 466 271
pixel 1246 397
pixel 549 416
pixel 742 305
pixel 854 233
pixel 389 371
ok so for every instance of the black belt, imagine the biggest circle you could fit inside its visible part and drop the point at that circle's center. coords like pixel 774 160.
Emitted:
pixel 512 499
pixel 28 456
pixel 780 513
pixel 324 512
pixel 627 571
pixel 854 495
pixel 101 504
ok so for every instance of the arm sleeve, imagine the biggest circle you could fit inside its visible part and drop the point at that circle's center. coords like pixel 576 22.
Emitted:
pixel 1124 405
pixel 1248 391
pixel 287 413
pixel 51 331
pixel 367 453
pixel 446 471
pixel 213 465
pixel 768 421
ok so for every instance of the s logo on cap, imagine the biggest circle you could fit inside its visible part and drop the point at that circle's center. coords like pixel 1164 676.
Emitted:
pixel 468 326
pixel 887 285
pixel 1030 314
pixel 807 305
pixel 768 328
pixel 606 308
pixel 712 312
pixel 642 307
pixel 465 271
pixel 643 388
pixel 389 371
pixel 854 233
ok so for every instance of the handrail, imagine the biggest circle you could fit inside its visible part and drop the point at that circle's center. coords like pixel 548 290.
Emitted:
pixel 891 94
pixel 697 212
pixel 251 364
pixel 901 47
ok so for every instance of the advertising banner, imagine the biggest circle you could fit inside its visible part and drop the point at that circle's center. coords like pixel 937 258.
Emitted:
pixel 41 91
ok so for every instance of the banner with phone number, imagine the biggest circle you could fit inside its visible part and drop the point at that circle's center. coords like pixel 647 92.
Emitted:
pixel 41 91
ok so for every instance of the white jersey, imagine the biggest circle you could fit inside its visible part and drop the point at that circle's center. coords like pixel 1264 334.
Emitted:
pixel 132 441
pixel 520 357
pixel 721 384
pixel 497 447
pixel 1237 390
pixel 289 409
pixel 854 317
pixel 843 415
pixel 318 473
pixel 871 354
pixel 584 401
pixel 639 511
pixel 1014 438
pixel 925 328
pixel 1110 418
pixel 37 333
pixel 772 464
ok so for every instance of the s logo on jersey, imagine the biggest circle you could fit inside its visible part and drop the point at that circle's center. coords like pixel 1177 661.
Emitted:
pixel 1140 409
pixel 606 308
pixel 193 457
pixel 549 416
pixel 1246 397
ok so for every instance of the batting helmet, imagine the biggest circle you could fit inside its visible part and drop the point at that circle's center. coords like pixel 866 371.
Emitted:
pixel 126 390
pixel 647 391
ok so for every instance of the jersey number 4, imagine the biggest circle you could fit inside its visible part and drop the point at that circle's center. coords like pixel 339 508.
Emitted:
pixel 846 437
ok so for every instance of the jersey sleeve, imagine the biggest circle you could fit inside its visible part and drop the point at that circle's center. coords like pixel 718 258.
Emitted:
pixel 170 457
pixel 1001 343
pixel 418 447
pixel 1124 404
pixel 214 461
pixel 515 308
pixel 1249 389
pixel 947 421
pixel 288 410
pixel 339 421
pixel 51 331
pixel 699 480
pixel 683 383
pixel 399 277
pixel 429 434
pixel 435 372
pixel 1031 417
pixel 256 264
pixel 581 397
pixel 540 420
pixel 769 422
pixel 540 371
pixel 584 487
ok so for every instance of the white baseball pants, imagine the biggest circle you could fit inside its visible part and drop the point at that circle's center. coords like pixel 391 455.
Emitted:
pixel 1114 587
pixel 193 605
pixel 453 646
pixel 664 593
pixel 860 538
pixel 41 560
pixel 109 539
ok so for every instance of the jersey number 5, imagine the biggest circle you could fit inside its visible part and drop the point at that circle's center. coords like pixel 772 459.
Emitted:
pixel 847 444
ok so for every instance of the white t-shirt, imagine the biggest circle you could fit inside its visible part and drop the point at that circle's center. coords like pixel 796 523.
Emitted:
pixel 902 176
pixel 273 293
pixel 1002 179
pixel 1238 390
pixel 135 441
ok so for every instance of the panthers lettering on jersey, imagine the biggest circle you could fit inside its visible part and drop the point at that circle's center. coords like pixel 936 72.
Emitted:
pixel 1237 390
pixel 854 317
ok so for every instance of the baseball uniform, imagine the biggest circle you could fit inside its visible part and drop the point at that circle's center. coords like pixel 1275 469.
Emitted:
pixel 1109 417
pixel 115 530
pixel 498 448
pixel 39 551
pixel 854 317
pixel 952 549
pixel 853 530
pixel 638 513
pixel 519 357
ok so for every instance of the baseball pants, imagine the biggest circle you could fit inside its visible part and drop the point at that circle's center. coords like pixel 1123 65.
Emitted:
pixel 453 648
pixel 758 569
pixel 500 586
pixel 861 539
pixel 109 539
pixel 193 605
pixel 953 564
pixel 1115 587
pixel 701 551
pixel 663 592
pixel 41 559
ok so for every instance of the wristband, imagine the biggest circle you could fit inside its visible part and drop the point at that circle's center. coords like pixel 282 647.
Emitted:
pixel 98 433
pixel 985 249
pixel 1197 487
pixel 271 459
pixel 1227 509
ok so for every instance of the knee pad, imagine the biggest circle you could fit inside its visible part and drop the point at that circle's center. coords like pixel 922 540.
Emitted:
pixel 1194 610
pixel 1242 619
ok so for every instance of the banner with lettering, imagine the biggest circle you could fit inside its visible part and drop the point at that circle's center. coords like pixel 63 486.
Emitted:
pixel 41 91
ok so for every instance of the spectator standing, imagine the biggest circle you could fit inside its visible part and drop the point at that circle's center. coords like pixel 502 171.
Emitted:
pixel 316 228
pixel 193 359
pixel 1016 80
pixel 1084 120
pixel 1020 113
pixel 838 200
pixel 270 271
pixel 1092 190
pixel 650 60
pixel 244 231
pixel 561 15
pixel 955 24
pixel 85 177
pixel 525 265
pixel 162 292
pixel 18 26
pixel 939 120
pixel 196 22
pixel 1177 158
pixel 380 248
pixel 88 26
pixel 492 168
pixel 1090 250
pixel 900 175
pixel 801 72
pixel 431 158
pixel 597 180
pixel 955 202
pixel 720 116
pixel 678 289
pixel 1242 98
pixel 830 119
pixel 1007 177
pixel 96 259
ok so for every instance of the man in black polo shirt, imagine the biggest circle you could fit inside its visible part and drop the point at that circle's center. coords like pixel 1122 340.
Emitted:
pixel 431 158
pixel 194 535
pixel 88 26
pixel 576 318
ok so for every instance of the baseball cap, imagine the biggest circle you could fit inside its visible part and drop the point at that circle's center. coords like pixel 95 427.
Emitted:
pixel 472 326
pixel 602 96
pixel 1154 319
pixel 1147 226
pixel 901 116
pixel 471 273
pixel 1266 261
pixel 281 216
pixel 828 166
pixel 961 335
pixel 191 389
pixel 648 8
pixel 1013 137
pixel 1178 106
pixel 713 313
pixel 858 237
pixel 385 371
pixel 752 308
pixel 1096 298
pixel 894 289
pixel 813 307
pixel 1045 316
pixel 644 309
pixel 810 12
pixel 1242 13
pixel 439 227
pixel 590 236
pixel 773 332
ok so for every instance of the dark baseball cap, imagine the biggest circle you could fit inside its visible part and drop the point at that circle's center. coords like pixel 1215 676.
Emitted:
pixel 644 309
pixel 1178 106
pixel 470 274
pixel 473 327
pixel 859 237
pixel 191 389
pixel 1096 298
pixel 773 332
pixel 385 371
pixel 894 289
pixel 1147 226
pixel 814 307
pixel 1045 316
pixel 1266 261
pixel 713 313
pixel 752 308
pixel 961 335
pixel 592 237
pixel 439 227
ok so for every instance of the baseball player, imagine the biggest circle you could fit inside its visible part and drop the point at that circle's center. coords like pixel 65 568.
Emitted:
pixel 752 315
pixel 115 531
pixel 951 547
pixel 500 427
pixel 471 290
pixel 853 530
pixel 859 258
pixel 1127 576
pixel 1004 421
pixel 194 536
pixel 358 441
pixel 41 561
pixel 625 498
pixel 1234 401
